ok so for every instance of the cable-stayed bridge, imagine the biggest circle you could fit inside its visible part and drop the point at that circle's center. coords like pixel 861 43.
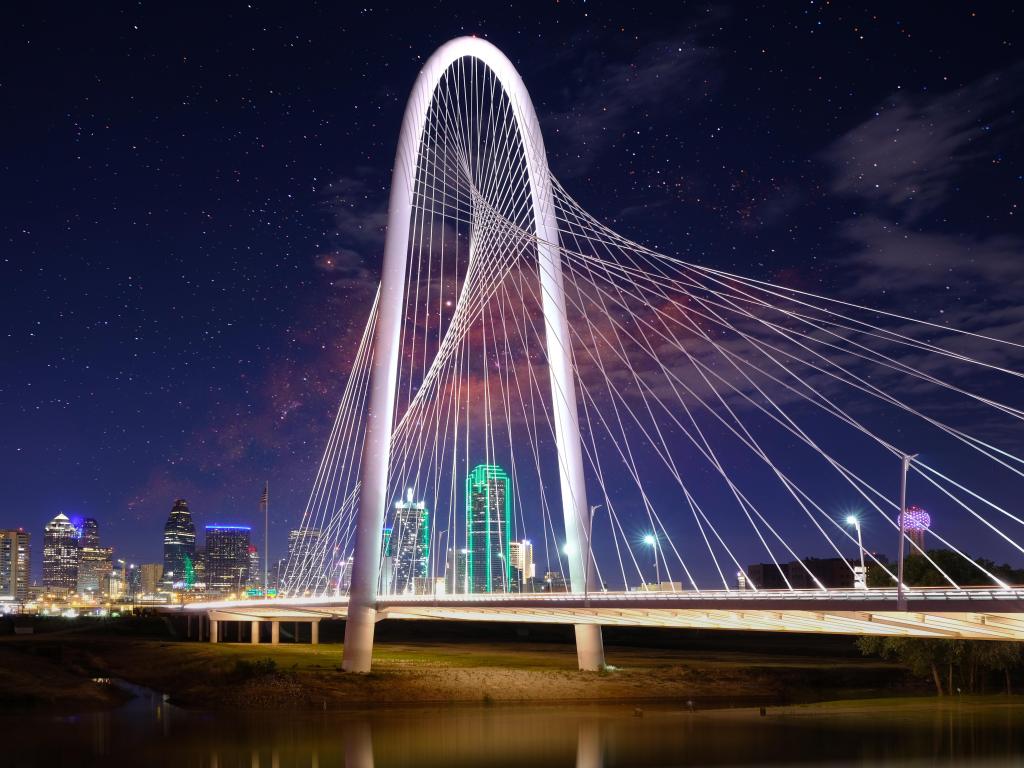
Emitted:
pixel 650 426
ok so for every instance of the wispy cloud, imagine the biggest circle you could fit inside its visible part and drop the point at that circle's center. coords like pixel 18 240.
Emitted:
pixel 605 98
pixel 908 155
pixel 358 207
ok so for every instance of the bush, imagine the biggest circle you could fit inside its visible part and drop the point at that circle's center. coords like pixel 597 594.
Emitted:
pixel 253 670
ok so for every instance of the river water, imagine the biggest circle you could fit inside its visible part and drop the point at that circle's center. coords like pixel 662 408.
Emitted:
pixel 149 732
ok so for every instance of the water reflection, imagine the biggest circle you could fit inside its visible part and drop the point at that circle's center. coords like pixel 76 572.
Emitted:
pixel 151 732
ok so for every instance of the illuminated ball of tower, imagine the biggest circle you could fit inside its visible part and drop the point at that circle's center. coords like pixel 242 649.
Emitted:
pixel 916 523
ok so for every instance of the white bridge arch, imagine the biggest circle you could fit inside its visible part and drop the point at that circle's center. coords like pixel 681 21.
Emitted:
pixel 384 372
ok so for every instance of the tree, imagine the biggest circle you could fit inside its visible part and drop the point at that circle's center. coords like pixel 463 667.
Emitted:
pixel 923 656
pixel 994 656
pixel 919 572
pixel 927 658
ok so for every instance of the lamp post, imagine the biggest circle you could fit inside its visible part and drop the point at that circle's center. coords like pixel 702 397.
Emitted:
pixel 860 580
pixel 587 566
pixel 901 598
pixel 651 540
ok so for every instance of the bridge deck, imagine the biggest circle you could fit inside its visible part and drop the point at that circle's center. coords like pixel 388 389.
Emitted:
pixel 968 613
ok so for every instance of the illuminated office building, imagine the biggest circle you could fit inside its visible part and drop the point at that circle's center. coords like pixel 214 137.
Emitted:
pixel 94 561
pixel 488 520
pixel 15 565
pixel 179 544
pixel 227 558
pixel 409 545
pixel 60 554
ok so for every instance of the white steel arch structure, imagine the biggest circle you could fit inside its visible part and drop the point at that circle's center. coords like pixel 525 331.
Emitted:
pixel 376 456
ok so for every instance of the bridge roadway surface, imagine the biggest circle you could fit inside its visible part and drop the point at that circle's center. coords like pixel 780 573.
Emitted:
pixel 975 613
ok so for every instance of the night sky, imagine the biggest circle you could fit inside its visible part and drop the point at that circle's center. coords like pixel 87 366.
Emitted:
pixel 194 198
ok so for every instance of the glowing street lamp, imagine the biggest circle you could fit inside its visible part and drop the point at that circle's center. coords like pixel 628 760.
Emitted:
pixel 651 540
pixel 860 574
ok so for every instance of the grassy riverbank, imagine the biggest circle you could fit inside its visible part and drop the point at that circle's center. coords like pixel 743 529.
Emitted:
pixel 48 668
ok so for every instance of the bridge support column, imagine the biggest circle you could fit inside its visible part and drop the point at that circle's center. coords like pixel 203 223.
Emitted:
pixel 255 635
pixel 314 633
pixel 589 647
pixel 275 632
pixel 358 649
pixel 214 631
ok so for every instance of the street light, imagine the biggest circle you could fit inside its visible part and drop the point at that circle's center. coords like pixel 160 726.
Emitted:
pixel 901 598
pixel 860 578
pixel 590 550
pixel 651 540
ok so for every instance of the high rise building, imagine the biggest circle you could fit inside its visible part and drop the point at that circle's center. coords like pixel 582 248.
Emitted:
pixel 114 584
pixel 94 561
pixel 343 578
pixel 179 544
pixel 488 520
pixel 15 565
pixel 60 554
pixel 409 543
pixel 455 582
pixel 150 575
pixel 305 555
pixel 521 555
pixel 255 568
pixel 227 558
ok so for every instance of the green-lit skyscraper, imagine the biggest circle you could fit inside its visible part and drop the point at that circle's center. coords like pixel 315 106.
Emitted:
pixel 488 519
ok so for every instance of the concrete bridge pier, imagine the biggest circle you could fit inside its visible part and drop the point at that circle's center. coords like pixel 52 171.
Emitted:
pixel 236 632
pixel 589 647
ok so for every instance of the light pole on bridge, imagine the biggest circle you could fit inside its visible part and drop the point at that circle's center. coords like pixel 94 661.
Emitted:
pixel 901 598
pixel 589 566
pixel 651 540
pixel 860 580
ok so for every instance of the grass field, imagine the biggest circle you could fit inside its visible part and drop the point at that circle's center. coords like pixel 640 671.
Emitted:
pixel 421 672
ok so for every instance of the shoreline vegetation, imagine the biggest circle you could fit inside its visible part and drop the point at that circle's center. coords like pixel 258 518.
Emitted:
pixel 58 670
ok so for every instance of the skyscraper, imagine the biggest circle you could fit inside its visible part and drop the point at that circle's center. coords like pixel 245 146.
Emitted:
pixel 94 561
pixel 410 547
pixel 179 542
pixel 227 557
pixel 488 519
pixel 455 572
pixel 150 576
pixel 15 565
pixel 521 554
pixel 255 568
pixel 305 555
pixel 60 554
